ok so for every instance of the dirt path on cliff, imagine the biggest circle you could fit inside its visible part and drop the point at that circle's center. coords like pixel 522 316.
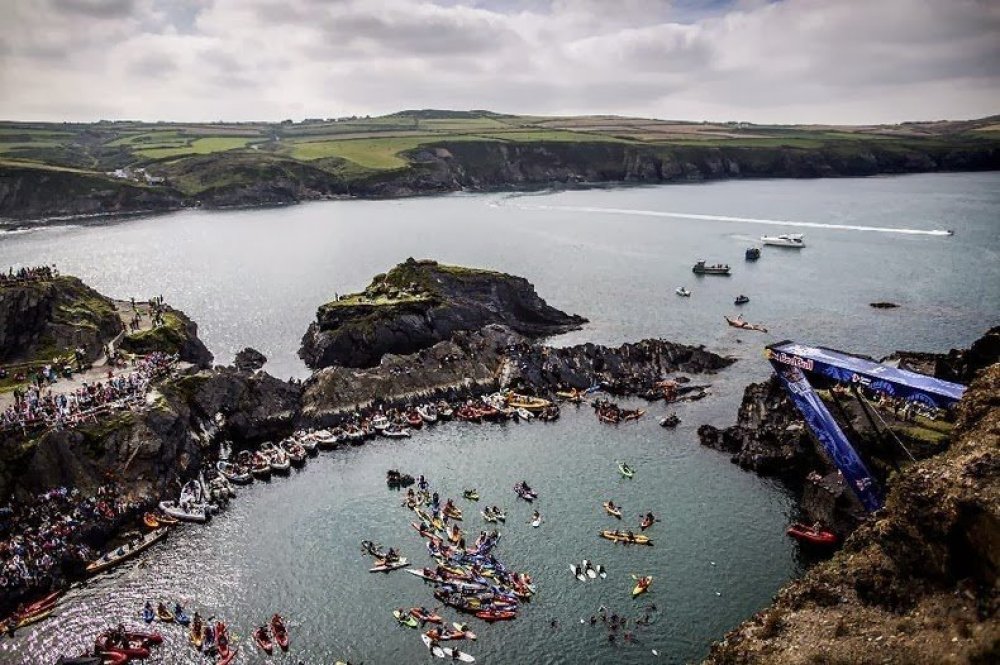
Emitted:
pixel 98 370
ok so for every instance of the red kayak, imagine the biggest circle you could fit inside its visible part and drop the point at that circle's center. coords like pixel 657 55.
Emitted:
pixel 263 640
pixel 810 535
pixel 134 649
pixel 429 617
pixel 280 633
pixel 42 603
pixel 226 653
pixel 495 615
pixel 113 657
pixel 146 638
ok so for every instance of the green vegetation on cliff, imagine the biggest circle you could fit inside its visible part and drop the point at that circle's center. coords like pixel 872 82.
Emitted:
pixel 168 338
pixel 129 166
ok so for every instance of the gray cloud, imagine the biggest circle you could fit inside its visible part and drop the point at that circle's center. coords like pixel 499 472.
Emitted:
pixel 788 61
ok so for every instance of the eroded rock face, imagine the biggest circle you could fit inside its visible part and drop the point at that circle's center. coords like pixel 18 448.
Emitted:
pixel 53 316
pixel 958 365
pixel 178 335
pixel 249 360
pixel 420 303
pixel 914 584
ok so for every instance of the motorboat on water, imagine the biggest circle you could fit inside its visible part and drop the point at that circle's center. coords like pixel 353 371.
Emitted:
pixel 701 268
pixel 784 240
pixel 380 422
pixel 741 300
pixel 681 291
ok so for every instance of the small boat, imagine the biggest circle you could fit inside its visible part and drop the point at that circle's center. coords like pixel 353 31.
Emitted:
pixel 116 556
pixel 464 627
pixel 260 466
pixel 590 570
pixel 263 639
pixel 405 619
pixel 647 521
pixel 527 402
pixel 226 652
pixel 525 492
pixel 197 634
pixel 701 268
pixel 428 412
pixel 471 495
pixel 383 566
pixel 784 240
pixel 163 614
pixel 279 631
pixel 811 535
pixel 426 617
pixel 30 617
pixel 620 537
pixel 641 585
pixel 625 470
pixel 413 419
pixel 741 300
pixel 325 439
pixel 395 431
pixel 150 520
pixel 280 463
pixel 681 291
pixel 752 253
pixel 234 473
pixel 196 512
pixel 613 510
pixel 670 421
pixel 577 571
pixel 523 413
pixel 379 423
pixel 296 453
pixel 496 615
pixel 148 615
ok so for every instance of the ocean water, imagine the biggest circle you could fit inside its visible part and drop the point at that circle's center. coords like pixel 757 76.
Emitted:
pixel 255 278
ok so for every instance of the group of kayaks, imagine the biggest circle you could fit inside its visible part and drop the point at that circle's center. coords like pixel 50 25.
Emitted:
pixel 586 570
pixel 615 511
pixel 32 612
pixel 275 632
pixel 206 637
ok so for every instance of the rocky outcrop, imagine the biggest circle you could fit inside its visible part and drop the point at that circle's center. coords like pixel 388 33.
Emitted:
pixel 493 357
pixel 958 365
pixel 178 334
pixel 249 360
pixel 419 303
pixel 914 584
pixel 37 193
pixel 39 320
pixel 769 438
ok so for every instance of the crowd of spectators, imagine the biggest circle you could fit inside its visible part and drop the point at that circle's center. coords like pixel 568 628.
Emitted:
pixel 40 536
pixel 24 275
pixel 38 406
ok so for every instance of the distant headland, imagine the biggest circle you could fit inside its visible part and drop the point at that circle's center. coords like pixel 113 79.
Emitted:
pixel 58 170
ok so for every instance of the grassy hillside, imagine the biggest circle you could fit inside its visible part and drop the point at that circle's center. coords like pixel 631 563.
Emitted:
pixel 357 147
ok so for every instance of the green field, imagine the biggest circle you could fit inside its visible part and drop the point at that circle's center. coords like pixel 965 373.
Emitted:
pixel 195 156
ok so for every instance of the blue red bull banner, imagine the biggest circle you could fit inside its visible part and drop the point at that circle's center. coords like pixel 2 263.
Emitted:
pixel 793 364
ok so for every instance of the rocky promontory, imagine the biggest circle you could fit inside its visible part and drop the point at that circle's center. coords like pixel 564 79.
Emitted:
pixel 420 303
pixel 914 584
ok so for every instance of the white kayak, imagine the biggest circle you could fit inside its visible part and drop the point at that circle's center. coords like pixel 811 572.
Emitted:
pixel 386 567
pixel 577 573
pixel 447 652
pixel 591 573
pixel 537 523
pixel 601 571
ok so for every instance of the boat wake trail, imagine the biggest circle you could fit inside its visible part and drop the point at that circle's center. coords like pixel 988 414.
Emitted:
pixel 738 220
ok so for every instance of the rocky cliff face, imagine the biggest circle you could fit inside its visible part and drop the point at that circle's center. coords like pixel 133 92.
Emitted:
pixel 41 319
pixel 28 193
pixel 178 334
pixel 958 365
pixel 420 303
pixel 915 584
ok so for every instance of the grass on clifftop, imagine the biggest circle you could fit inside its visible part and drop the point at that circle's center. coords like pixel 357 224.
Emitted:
pixel 169 338
pixel 380 143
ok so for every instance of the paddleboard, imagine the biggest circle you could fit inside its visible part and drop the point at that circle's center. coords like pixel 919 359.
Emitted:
pixel 454 654
pixel 591 573
pixel 536 522
pixel 601 571
pixel 386 567
pixel 577 572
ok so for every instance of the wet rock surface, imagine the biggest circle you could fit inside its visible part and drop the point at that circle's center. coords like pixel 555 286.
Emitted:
pixel 420 303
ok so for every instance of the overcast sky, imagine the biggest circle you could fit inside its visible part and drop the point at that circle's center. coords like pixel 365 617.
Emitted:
pixel 830 61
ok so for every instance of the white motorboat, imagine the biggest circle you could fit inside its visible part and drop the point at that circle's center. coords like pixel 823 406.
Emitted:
pixel 326 439
pixel 428 412
pixel 234 473
pixel 681 291
pixel 195 512
pixel 784 240
pixel 395 432
pixel 279 461
pixel 380 422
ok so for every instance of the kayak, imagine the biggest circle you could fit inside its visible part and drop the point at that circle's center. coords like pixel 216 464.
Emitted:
pixel 471 495
pixel 405 619
pixel 166 519
pixel 642 585
pixel 197 635
pixel 646 523
pixel 165 615
pixel 226 652
pixel 496 615
pixel 196 512
pixel 809 535
pixel 149 519
pixel 536 522
pixel 577 572
pixel 601 572
pixel 33 617
pixel 617 536
pixel 591 573
pixel 280 632
pixel 116 556
pixel 429 617
pixel 614 512
pixel 625 470
pixel 263 640
pixel 148 615
pixel 385 567
pixel 464 628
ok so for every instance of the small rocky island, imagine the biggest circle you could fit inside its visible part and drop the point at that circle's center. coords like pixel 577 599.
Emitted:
pixel 420 303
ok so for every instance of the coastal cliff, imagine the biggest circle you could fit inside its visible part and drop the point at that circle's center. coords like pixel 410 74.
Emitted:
pixel 31 191
pixel 44 318
pixel 419 303
pixel 916 583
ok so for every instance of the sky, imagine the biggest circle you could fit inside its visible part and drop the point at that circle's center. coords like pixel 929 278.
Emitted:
pixel 790 61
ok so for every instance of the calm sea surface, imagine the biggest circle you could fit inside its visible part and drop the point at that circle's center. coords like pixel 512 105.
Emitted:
pixel 255 278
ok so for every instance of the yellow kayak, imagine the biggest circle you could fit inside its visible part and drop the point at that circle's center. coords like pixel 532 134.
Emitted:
pixel 33 618
pixel 619 537
pixel 642 585
pixel 197 636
